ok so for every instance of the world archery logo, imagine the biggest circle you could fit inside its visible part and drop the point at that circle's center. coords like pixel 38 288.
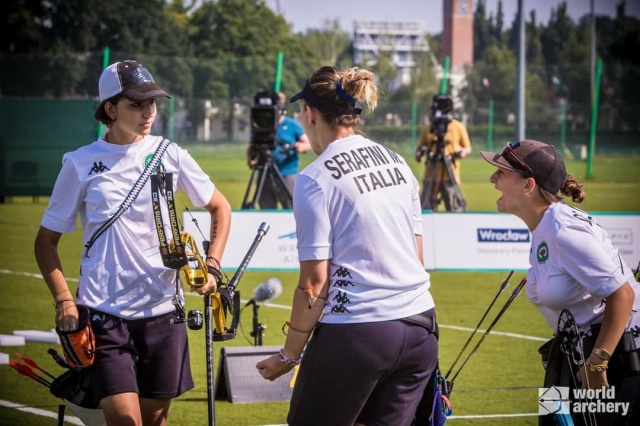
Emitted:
pixel 542 253
pixel 553 400
pixel 147 160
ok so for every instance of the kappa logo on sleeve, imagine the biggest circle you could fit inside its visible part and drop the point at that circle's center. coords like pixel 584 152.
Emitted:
pixel 98 167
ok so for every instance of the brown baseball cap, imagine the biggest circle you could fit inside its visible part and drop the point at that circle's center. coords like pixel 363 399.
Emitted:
pixel 534 159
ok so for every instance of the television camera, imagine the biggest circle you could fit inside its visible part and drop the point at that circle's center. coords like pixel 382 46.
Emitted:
pixel 441 115
pixel 265 116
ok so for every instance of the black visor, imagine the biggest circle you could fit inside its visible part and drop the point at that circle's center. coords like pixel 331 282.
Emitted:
pixel 323 104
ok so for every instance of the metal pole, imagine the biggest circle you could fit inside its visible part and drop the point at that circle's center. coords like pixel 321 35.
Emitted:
pixel 414 124
pixel 594 119
pixel 276 86
pixel 490 127
pixel 171 120
pixel 520 88
pixel 208 328
pixel 592 51
pixel 563 125
pixel 105 63
pixel 445 76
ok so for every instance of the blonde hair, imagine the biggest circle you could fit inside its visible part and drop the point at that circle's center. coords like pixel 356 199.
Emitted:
pixel 357 83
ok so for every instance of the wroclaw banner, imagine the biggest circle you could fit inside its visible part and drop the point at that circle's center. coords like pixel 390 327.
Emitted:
pixel 452 241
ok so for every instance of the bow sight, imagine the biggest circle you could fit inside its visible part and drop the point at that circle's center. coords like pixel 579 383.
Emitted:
pixel 225 301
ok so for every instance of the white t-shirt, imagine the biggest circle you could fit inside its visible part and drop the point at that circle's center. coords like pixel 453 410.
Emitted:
pixel 574 266
pixel 123 274
pixel 358 205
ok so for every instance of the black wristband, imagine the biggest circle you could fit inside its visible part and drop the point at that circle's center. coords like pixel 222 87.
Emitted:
pixel 215 272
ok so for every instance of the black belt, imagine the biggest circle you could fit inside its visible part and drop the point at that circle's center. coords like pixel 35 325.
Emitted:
pixel 426 320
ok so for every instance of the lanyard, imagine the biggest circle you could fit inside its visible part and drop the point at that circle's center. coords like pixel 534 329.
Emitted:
pixel 172 253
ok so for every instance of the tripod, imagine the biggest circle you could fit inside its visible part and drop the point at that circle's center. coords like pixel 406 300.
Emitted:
pixel 439 163
pixel 265 170
pixel 258 328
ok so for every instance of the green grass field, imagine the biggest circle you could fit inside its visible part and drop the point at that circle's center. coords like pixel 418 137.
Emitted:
pixel 501 378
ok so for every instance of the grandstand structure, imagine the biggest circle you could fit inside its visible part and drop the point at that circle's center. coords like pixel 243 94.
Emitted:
pixel 402 40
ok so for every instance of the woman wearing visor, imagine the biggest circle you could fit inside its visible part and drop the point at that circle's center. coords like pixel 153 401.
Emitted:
pixel 141 356
pixel 574 267
pixel 362 302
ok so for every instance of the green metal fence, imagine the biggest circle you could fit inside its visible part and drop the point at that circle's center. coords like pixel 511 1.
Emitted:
pixel 48 102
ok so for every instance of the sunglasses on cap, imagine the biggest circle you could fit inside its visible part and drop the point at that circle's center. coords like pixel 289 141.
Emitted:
pixel 510 155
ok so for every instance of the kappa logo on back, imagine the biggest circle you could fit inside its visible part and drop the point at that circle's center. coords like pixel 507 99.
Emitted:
pixel 98 168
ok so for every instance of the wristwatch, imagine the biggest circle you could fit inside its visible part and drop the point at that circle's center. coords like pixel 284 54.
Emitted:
pixel 601 353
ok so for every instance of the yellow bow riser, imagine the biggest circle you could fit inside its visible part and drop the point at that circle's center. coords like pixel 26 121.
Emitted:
pixel 195 270
pixel 219 314
pixel 195 274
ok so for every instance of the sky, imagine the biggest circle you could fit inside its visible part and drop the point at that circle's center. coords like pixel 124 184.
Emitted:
pixel 306 14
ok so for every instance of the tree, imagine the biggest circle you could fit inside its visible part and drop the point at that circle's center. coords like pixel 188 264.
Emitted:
pixel 329 45
pixel 244 38
pixel 497 68
pixel 73 34
pixel 481 31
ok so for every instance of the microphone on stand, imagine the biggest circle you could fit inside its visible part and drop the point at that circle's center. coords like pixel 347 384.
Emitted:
pixel 266 291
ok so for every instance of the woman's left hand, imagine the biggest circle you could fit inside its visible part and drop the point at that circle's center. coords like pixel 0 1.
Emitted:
pixel 210 287
pixel 271 368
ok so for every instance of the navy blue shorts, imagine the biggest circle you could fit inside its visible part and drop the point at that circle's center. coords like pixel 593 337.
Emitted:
pixel 373 373
pixel 147 356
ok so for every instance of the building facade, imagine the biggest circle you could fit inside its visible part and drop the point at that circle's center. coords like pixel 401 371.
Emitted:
pixel 400 39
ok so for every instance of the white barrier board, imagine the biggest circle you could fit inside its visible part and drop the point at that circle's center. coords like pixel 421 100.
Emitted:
pixel 277 250
pixel 474 241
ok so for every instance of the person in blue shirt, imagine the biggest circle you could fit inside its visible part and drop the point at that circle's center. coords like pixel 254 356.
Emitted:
pixel 290 141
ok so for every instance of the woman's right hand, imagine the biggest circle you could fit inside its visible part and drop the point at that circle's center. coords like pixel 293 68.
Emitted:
pixel 67 316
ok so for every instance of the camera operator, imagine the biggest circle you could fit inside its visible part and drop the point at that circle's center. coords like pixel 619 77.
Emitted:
pixel 443 136
pixel 290 140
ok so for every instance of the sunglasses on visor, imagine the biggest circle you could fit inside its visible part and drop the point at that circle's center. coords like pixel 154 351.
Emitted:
pixel 509 154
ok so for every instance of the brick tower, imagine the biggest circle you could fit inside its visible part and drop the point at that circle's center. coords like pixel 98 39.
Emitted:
pixel 457 32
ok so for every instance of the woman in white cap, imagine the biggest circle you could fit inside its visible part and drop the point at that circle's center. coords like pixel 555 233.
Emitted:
pixel 127 278
pixel 574 267
pixel 363 299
